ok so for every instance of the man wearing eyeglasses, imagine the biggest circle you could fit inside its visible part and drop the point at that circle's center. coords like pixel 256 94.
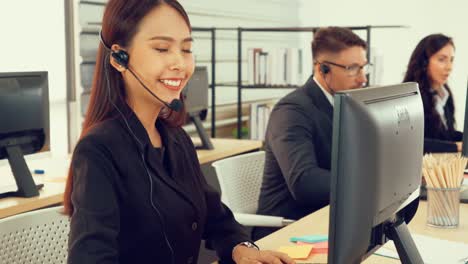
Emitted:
pixel 296 180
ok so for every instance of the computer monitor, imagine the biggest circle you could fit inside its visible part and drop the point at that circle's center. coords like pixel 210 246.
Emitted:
pixel 377 152
pixel 195 96
pixel 24 123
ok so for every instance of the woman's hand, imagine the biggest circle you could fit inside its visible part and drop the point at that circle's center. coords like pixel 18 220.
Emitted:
pixel 459 146
pixel 244 255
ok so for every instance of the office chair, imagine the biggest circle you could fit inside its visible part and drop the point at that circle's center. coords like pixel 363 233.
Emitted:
pixel 240 179
pixel 35 237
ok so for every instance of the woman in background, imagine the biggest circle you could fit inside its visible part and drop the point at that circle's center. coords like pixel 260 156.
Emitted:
pixel 430 66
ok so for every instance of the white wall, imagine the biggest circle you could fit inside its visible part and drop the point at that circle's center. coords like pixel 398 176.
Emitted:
pixel 423 17
pixel 33 39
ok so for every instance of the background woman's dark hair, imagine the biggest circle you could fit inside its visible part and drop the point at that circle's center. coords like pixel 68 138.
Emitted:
pixel 119 25
pixel 418 72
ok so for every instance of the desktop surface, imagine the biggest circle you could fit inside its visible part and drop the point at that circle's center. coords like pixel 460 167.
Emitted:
pixel 56 171
pixel 317 223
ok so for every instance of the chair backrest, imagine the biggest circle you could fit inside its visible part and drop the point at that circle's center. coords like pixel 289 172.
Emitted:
pixel 240 179
pixel 35 237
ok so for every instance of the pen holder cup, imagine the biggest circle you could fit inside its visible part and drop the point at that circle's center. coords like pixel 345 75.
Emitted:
pixel 443 207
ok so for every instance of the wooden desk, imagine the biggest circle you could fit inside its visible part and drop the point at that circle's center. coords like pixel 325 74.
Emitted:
pixel 54 180
pixel 224 148
pixel 317 223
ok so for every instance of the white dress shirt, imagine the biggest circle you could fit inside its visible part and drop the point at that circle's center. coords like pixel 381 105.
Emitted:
pixel 441 99
pixel 326 93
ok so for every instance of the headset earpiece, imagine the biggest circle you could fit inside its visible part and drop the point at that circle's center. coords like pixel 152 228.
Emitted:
pixel 121 57
pixel 324 68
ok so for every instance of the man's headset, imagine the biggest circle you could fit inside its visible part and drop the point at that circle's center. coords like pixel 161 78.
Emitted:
pixel 325 69
pixel 122 58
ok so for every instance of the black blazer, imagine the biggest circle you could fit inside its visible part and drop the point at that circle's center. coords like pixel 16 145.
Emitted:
pixel 441 139
pixel 114 220
pixel 296 180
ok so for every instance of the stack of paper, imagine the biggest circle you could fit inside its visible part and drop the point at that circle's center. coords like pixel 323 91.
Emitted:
pixel 432 250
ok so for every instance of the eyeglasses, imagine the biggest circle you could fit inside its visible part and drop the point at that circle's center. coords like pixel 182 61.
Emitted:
pixel 352 70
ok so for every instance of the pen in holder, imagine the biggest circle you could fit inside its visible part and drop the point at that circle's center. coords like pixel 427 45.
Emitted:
pixel 444 176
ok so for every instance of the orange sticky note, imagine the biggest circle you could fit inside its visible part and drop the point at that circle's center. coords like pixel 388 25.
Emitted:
pixel 297 251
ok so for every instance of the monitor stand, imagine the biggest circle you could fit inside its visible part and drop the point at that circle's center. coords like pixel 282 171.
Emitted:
pixel 23 177
pixel 406 248
pixel 206 142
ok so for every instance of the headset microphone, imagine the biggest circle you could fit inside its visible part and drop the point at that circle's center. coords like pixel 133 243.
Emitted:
pixel 175 104
pixel 122 58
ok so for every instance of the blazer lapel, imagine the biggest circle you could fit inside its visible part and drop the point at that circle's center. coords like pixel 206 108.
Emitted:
pixel 174 154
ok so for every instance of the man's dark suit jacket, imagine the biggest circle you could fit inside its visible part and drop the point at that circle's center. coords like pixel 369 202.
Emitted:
pixel 116 221
pixel 296 180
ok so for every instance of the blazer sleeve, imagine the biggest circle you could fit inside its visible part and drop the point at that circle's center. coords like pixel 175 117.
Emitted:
pixel 293 138
pixel 94 224
pixel 432 145
pixel 221 230
pixel 457 136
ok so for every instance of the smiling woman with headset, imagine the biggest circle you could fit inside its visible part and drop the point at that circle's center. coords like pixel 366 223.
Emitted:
pixel 135 192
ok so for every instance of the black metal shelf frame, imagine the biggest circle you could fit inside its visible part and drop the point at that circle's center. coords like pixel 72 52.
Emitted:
pixel 241 30
pixel 212 32
pixel 238 84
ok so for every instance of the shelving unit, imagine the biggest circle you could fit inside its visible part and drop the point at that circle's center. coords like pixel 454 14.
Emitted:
pixel 212 32
pixel 82 38
pixel 241 85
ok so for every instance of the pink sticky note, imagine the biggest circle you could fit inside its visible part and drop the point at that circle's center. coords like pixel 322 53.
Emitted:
pixel 321 245
pixel 319 248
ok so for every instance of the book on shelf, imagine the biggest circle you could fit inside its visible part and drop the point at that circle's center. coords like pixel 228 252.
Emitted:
pixel 259 116
pixel 253 64
pixel 376 72
pixel 274 66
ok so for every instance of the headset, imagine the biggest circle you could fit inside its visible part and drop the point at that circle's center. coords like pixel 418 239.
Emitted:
pixel 325 69
pixel 121 57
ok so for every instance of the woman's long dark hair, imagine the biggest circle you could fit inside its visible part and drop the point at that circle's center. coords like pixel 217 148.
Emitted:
pixel 418 72
pixel 119 25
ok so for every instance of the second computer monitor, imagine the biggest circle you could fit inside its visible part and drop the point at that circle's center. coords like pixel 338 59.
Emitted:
pixel 196 91
pixel 377 151
pixel 24 123
pixel 195 96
